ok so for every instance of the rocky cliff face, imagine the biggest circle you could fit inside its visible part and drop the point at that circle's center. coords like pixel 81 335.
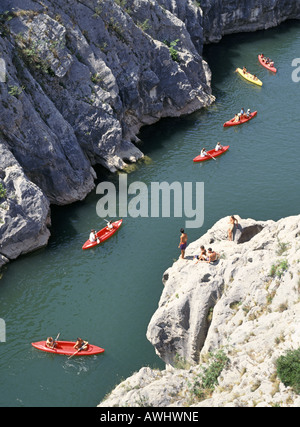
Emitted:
pixel 80 79
pixel 82 76
pixel 227 17
pixel 246 304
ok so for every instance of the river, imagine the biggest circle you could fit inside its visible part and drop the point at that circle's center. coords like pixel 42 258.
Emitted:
pixel 107 295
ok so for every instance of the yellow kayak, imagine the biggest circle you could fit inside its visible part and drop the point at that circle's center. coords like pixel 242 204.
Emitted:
pixel 249 77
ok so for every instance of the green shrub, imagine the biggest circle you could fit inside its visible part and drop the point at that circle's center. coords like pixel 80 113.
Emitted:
pixel 288 369
pixel 172 50
pixel 208 379
pixel 15 90
pixel 279 268
pixel 2 191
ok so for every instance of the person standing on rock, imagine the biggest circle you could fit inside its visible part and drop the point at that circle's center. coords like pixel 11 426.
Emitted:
pixel 182 243
pixel 232 222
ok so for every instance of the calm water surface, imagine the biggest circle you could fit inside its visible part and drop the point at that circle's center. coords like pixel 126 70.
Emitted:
pixel 107 295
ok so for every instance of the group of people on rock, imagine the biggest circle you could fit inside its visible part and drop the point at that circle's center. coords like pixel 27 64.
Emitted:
pixel 208 255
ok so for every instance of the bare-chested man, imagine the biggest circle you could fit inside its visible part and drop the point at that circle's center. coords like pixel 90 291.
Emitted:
pixel 182 244
pixel 211 255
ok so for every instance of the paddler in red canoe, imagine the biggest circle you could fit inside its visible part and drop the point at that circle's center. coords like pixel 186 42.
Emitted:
pixel 81 344
pixel 93 237
pixel 50 343
pixel 218 147
pixel 109 226
pixel 203 153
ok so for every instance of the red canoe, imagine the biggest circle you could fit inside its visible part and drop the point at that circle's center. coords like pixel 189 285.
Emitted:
pixel 266 65
pixel 67 348
pixel 242 120
pixel 211 153
pixel 103 235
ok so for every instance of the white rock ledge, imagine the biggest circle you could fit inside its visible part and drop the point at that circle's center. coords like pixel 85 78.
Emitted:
pixel 246 304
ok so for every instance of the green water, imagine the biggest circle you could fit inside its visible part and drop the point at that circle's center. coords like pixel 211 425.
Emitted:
pixel 107 295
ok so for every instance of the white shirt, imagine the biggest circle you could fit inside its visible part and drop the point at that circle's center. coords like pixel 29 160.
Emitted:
pixel 92 237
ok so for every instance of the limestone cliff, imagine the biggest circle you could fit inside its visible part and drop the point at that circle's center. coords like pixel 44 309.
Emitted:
pixel 245 304
pixel 80 79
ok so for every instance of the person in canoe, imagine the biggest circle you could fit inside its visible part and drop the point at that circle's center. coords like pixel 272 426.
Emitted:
pixel 236 118
pixel 232 222
pixel 182 243
pixel 109 226
pixel 93 237
pixel 81 344
pixel 203 153
pixel 242 112
pixel 218 147
pixel 245 70
pixel 248 113
pixel 50 343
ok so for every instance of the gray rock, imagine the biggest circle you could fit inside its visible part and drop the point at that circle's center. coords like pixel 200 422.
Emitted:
pixel 24 210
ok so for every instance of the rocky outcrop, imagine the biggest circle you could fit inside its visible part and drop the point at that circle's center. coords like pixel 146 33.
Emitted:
pixel 246 303
pixel 24 211
pixel 227 17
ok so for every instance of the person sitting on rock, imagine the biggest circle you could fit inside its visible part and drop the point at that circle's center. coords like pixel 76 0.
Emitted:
pixel 211 256
pixel 202 255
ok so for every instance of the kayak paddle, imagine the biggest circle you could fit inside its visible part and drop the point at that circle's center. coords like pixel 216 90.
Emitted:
pixel 77 350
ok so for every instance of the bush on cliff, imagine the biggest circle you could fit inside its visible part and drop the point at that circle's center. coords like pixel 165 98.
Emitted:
pixel 288 369
pixel 208 379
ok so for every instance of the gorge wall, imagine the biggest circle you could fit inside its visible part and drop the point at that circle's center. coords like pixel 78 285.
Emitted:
pixel 80 78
